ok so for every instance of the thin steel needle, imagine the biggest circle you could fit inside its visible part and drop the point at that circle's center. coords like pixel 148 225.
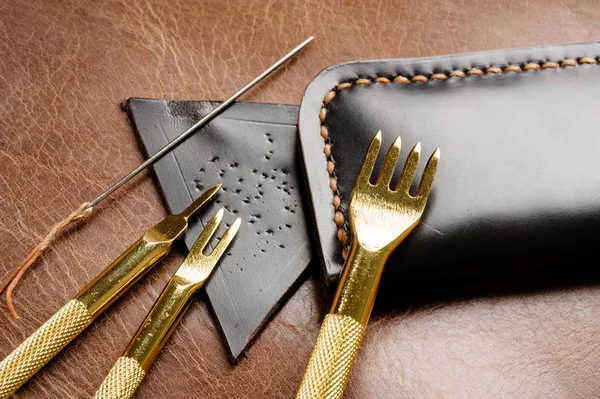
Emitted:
pixel 198 124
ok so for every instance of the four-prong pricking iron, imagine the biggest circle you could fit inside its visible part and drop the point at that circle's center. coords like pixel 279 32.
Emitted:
pixel 380 219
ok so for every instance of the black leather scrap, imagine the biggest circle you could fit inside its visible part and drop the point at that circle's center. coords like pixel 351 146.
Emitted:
pixel 252 150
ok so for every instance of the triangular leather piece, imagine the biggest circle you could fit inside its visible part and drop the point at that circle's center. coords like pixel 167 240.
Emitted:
pixel 252 150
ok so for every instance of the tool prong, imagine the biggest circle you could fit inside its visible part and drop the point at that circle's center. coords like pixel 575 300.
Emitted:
pixel 200 202
pixel 366 170
pixel 207 233
pixel 428 175
pixel 227 238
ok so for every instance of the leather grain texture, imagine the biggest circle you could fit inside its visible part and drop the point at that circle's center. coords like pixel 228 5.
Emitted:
pixel 252 150
pixel 66 65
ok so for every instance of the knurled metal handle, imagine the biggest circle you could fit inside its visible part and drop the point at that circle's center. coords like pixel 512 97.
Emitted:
pixel 42 345
pixel 122 380
pixel 332 358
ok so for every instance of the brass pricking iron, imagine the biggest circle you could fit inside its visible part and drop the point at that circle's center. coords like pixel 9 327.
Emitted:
pixel 97 296
pixel 129 370
pixel 380 219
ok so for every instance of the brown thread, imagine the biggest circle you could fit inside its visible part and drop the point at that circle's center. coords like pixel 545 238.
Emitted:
pixel 322 114
pixel 330 167
pixel 551 64
pixel 324 132
pixel 513 68
pixel 333 184
pixel 337 201
pixel 16 275
pixel 457 74
pixel 345 252
pixel 329 97
pixel 401 79
pixel 419 78
pixel 495 70
pixel 531 66
pixel 339 218
pixel 475 71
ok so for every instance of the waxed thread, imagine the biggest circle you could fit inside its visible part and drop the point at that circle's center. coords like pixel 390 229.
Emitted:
pixel 339 218
pixel 10 283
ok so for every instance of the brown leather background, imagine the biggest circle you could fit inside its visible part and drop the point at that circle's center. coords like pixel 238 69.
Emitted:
pixel 64 68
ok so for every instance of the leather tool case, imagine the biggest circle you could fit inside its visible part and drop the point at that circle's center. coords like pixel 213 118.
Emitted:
pixel 516 195
pixel 518 185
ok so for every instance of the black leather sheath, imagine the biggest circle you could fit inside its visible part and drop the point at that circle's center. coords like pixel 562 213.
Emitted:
pixel 518 185
pixel 252 150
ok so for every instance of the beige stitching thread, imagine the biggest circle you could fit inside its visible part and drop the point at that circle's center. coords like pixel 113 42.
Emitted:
pixel 339 218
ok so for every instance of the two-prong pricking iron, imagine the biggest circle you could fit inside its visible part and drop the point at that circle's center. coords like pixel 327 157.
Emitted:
pixel 129 370
pixel 380 219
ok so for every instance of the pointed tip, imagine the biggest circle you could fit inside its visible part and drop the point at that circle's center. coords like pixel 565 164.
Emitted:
pixel 213 190
pixel 304 43
pixel 377 138
pixel 436 154
pixel 216 218
pixel 199 202
pixel 234 228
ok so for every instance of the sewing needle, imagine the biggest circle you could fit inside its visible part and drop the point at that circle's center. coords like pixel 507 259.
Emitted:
pixel 198 124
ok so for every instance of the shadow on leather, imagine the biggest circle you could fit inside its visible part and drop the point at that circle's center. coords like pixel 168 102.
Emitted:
pixel 398 295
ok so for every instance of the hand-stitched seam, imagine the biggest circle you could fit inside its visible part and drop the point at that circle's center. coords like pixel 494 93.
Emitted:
pixel 339 217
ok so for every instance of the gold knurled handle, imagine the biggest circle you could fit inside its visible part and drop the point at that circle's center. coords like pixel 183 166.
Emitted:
pixel 42 345
pixel 122 380
pixel 332 358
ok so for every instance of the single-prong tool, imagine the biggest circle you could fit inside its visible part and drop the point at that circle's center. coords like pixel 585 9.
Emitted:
pixel 130 369
pixel 97 296
pixel 380 219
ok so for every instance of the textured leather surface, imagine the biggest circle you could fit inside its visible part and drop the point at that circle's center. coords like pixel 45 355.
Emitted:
pixel 252 149
pixel 518 179
pixel 65 66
